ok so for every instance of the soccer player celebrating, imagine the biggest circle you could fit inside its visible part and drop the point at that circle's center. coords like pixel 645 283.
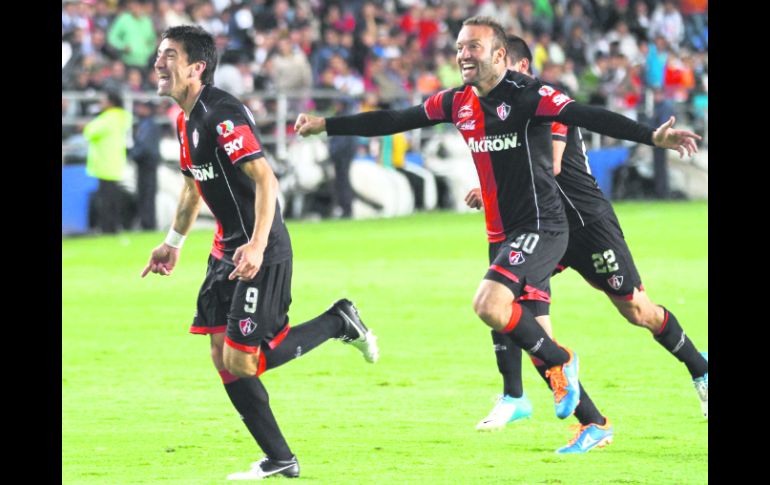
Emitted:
pixel 598 251
pixel 505 118
pixel 244 300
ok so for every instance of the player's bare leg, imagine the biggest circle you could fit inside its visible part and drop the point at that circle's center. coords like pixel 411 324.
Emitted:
pixel 665 328
pixel 240 363
pixel 495 304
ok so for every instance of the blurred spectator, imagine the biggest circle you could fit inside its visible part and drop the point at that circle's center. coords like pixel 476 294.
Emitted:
pixel 666 21
pixel 203 14
pixel 695 14
pixel 662 111
pixel 343 78
pixel 593 82
pixel 291 73
pixel 568 77
pixel 458 12
pixel 679 77
pixel 447 70
pixel 657 55
pixel 116 79
pixel 627 43
pixel 229 73
pixel 173 13
pixel 383 79
pixel 133 35
pixel 342 150
pixel 103 15
pixel 501 11
pixel 330 46
pixel 106 135
pixel 135 81
pixel 576 48
pixel 576 16
pixel 638 20
pixel 146 154
pixel 427 82
pixel 240 28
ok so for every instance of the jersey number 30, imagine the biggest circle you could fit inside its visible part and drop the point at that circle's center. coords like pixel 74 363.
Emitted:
pixel 605 262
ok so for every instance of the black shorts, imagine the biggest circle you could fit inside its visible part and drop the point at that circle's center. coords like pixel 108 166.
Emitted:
pixel 600 254
pixel 251 312
pixel 525 261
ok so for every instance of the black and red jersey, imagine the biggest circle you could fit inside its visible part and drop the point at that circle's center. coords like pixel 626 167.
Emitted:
pixel 509 134
pixel 509 139
pixel 220 134
pixel 583 200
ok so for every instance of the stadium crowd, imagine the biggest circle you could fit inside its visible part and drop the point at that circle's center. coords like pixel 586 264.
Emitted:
pixel 605 53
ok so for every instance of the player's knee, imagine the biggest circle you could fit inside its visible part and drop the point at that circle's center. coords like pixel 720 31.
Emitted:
pixel 484 308
pixel 240 365
pixel 639 315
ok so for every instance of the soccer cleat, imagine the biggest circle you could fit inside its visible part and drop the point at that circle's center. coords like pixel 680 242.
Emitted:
pixel 354 332
pixel 702 388
pixel 589 437
pixel 565 385
pixel 507 410
pixel 267 467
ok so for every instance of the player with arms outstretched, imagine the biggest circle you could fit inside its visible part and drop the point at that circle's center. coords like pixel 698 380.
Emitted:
pixel 598 251
pixel 505 118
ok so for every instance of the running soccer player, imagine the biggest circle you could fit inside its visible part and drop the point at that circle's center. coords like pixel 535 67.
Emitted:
pixel 505 118
pixel 597 251
pixel 244 301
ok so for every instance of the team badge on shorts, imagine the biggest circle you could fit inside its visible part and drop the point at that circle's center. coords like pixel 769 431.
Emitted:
pixel 503 111
pixel 516 258
pixel 247 326
pixel 615 281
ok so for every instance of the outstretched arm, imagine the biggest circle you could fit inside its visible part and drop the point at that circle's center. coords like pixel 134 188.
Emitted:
pixel 371 123
pixel 606 122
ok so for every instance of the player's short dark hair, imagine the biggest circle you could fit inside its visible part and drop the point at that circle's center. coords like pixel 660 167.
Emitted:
pixel 518 50
pixel 499 33
pixel 199 46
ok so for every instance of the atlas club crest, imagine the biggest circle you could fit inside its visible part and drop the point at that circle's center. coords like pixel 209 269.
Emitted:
pixel 516 258
pixel 615 281
pixel 247 326
pixel 503 111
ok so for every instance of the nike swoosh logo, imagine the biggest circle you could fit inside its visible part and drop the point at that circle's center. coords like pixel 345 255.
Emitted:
pixel 279 470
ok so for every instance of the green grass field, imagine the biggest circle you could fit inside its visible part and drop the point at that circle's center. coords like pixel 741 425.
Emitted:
pixel 142 404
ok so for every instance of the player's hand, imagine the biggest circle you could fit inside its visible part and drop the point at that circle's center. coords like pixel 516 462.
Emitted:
pixel 162 260
pixel 474 200
pixel 307 125
pixel 682 141
pixel 247 260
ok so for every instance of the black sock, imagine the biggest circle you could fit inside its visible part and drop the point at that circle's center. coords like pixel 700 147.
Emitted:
pixel 508 356
pixel 302 339
pixel 586 411
pixel 250 399
pixel 673 339
pixel 530 336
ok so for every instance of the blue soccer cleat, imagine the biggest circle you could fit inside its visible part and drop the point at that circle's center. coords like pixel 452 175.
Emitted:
pixel 702 388
pixel 507 410
pixel 565 385
pixel 589 437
